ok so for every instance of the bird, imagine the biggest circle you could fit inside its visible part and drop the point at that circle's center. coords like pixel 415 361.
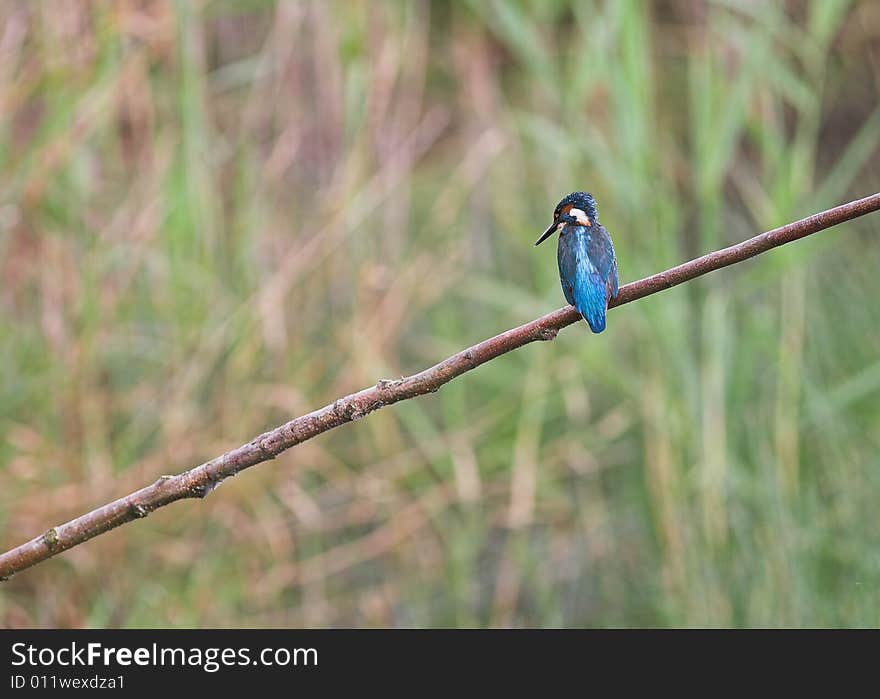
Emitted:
pixel 587 264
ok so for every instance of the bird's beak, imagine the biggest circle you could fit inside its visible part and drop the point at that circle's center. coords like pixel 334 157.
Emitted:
pixel 546 234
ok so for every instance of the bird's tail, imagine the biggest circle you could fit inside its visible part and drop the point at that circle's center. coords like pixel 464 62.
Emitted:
pixel 590 301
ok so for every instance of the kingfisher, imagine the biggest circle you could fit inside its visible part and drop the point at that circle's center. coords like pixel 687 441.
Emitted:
pixel 587 265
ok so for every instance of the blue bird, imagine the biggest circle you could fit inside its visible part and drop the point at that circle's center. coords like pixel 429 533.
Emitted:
pixel 587 265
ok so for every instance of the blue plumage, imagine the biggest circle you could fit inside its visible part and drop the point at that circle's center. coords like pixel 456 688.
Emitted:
pixel 587 264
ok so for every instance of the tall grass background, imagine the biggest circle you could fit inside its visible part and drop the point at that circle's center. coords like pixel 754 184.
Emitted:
pixel 215 216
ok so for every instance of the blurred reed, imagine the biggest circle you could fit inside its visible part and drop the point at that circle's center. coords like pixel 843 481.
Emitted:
pixel 214 216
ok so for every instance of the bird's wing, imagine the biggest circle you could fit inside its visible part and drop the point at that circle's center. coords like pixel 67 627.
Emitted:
pixel 601 252
pixel 582 282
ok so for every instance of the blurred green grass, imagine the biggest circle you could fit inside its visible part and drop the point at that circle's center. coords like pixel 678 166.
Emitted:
pixel 215 216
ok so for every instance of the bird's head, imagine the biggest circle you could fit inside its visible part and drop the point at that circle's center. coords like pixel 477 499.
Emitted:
pixel 578 208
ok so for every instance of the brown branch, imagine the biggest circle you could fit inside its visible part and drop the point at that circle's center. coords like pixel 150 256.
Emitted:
pixel 201 480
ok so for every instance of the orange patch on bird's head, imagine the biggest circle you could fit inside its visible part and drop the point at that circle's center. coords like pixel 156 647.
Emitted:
pixel 578 215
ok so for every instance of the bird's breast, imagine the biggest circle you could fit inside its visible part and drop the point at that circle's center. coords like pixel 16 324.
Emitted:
pixel 575 238
pixel 572 231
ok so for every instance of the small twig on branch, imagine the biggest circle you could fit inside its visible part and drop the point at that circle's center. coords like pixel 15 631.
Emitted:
pixel 201 480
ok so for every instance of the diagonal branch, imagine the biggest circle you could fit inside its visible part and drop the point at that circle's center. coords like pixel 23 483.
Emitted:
pixel 201 480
